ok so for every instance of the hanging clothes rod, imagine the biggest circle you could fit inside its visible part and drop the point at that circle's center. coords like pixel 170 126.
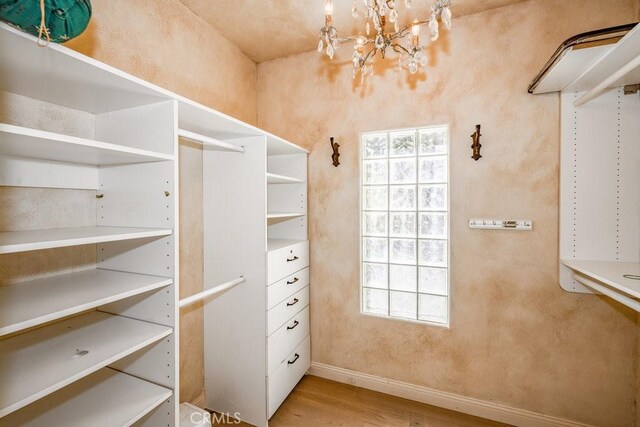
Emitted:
pixel 208 141
pixel 211 292
pixel 622 299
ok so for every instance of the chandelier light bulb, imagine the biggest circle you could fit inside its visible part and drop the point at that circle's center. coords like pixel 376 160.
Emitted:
pixel 415 28
pixel 328 8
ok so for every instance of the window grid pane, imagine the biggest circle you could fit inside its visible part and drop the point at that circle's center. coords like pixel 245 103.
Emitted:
pixel 405 224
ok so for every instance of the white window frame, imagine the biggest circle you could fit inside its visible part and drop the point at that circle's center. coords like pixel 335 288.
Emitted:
pixel 361 148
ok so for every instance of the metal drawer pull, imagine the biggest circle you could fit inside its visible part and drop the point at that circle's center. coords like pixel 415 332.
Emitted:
pixel 295 258
pixel 295 359
pixel 295 279
pixel 295 301
pixel 295 323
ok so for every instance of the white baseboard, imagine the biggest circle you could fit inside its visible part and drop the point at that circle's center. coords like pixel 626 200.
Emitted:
pixel 454 402
pixel 199 401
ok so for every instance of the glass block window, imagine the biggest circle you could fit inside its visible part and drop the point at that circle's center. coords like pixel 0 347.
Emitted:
pixel 405 224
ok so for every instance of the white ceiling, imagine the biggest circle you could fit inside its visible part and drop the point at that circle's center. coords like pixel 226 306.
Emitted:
pixel 269 29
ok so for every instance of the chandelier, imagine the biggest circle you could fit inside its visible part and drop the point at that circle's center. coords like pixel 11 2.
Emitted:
pixel 381 14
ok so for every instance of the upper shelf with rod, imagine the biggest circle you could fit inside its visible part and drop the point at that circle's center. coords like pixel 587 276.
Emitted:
pixel 594 63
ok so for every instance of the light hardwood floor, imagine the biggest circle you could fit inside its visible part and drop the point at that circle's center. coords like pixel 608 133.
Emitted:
pixel 319 402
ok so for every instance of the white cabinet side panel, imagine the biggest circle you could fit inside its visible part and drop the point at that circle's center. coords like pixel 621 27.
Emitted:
pixel 140 195
pixel 600 175
pixel 234 233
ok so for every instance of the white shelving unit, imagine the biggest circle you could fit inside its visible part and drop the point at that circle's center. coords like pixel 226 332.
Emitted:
pixel 600 162
pixel 129 158
pixel 90 401
pixel 64 330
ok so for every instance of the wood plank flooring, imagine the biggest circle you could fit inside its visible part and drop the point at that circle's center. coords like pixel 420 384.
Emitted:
pixel 319 402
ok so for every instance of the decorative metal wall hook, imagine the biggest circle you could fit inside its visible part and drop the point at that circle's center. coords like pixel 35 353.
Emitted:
pixel 336 154
pixel 476 146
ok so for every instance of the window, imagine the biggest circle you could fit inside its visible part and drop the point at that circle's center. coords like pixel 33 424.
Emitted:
pixel 405 224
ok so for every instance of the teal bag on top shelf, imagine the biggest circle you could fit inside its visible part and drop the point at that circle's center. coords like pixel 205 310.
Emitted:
pixel 64 19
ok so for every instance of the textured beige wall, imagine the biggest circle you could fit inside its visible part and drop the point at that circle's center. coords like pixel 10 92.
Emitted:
pixel 516 338
pixel 163 42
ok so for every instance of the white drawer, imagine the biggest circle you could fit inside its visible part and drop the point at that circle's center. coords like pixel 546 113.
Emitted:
pixel 288 308
pixel 287 375
pixel 284 340
pixel 286 287
pixel 286 261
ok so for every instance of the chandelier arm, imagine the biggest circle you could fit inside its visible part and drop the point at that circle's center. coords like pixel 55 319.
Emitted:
pixel 394 46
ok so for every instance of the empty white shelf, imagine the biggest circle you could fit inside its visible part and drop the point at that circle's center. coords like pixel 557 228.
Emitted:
pixel 273 178
pixel 39 362
pixel 103 399
pixel 28 304
pixel 212 143
pixel 610 273
pixel 31 240
pixel 277 146
pixel 24 142
pixel 275 244
pixel 619 66
pixel 276 217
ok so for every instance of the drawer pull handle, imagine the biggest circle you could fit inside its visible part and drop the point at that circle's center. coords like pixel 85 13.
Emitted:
pixel 295 323
pixel 291 282
pixel 295 258
pixel 295 301
pixel 295 359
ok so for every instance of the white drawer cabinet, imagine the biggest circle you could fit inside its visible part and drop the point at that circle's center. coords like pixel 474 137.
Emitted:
pixel 286 338
pixel 283 289
pixel 288 373
pixel 287 260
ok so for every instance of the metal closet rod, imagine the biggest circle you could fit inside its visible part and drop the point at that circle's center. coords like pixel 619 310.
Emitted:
pixel 623 299
pixel 211 292
pixel 207 140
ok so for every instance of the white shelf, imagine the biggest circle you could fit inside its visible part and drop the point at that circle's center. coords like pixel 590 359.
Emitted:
pixel 273 178
pixel 619 66
pixel 277 217
pixel 28 304
pixel 277 147
pixel 103 399
pixel 24 142
pixel 275 244
pixel 211 143
pixel 610 273
pixel 31 240
pixel 37 363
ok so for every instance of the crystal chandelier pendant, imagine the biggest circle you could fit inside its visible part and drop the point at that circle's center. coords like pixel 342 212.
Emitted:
pixel 402 40
pixel 446 17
